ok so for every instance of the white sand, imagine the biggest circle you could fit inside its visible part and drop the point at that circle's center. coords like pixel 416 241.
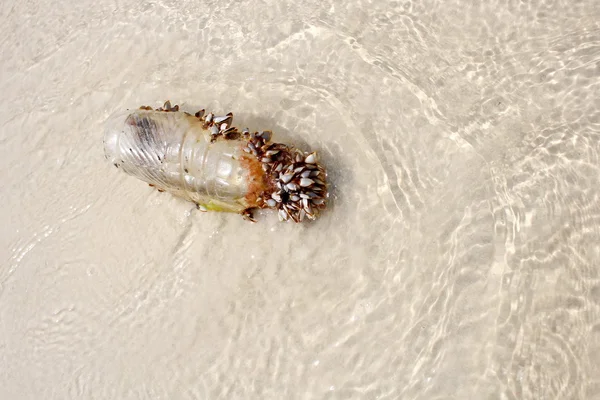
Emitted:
pixel 460 258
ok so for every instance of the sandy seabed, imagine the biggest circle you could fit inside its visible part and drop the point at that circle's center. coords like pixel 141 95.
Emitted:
pixel 460 256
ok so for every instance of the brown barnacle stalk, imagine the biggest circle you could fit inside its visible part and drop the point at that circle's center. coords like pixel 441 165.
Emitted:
pixel 205 159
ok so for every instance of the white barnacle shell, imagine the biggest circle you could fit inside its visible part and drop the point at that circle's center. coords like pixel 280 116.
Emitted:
pixel 285 178
pixel 311 158
pixel 305 182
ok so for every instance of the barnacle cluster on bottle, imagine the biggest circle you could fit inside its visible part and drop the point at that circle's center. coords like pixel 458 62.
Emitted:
pixel 289 180
pixel 300 189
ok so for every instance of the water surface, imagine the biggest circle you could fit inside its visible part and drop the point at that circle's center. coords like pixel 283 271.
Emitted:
pixel 460 257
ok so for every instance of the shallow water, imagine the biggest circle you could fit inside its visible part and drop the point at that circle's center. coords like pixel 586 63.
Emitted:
pixel 460 257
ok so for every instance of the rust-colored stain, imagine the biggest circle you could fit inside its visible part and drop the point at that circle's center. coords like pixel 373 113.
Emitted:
pixel 257 182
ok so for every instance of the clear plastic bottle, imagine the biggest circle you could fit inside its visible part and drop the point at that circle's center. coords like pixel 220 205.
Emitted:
pixel 202 158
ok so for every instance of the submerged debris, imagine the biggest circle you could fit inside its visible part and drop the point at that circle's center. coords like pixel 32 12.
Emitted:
pixel 205 159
